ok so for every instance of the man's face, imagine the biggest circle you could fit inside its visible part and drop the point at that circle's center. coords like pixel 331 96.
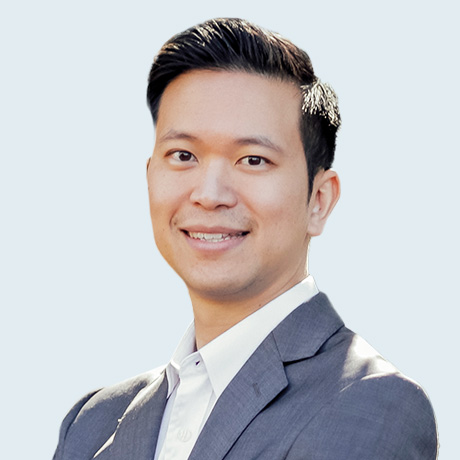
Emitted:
pixel 228 185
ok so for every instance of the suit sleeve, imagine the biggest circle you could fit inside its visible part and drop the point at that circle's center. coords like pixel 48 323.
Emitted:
pixel 67 422
pixel 379 417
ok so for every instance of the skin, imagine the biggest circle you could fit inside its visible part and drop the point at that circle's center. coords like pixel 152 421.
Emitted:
pixel 228 190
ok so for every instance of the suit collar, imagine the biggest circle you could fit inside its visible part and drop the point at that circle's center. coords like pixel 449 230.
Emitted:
pixel 236 345
pixel 306 329
pixel 263 376
pixel 259 381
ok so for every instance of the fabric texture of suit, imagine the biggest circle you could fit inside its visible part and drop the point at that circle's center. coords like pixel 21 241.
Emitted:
pixel 312 390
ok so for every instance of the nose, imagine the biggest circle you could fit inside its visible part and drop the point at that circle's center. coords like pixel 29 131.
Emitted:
pixel 213 187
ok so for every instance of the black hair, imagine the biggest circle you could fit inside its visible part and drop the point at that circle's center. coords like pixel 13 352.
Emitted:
pixel 237 45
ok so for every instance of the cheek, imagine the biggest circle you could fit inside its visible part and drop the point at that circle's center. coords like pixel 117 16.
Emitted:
pixel 160 198
pixel 162 189
pixel 168 197
pixel 283 212
pixel 160 206
pixel 284 196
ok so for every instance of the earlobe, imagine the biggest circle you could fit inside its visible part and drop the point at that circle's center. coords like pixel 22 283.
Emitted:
pixel 325 194
pixel 148 163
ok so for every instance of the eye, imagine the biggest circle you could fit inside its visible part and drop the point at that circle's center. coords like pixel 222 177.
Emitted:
pixel 182 156
pixel 254 160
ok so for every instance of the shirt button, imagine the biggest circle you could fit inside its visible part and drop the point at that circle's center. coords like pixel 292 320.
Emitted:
pixel 184 435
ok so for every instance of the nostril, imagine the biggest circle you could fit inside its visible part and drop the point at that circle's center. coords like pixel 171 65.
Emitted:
pixel 213 192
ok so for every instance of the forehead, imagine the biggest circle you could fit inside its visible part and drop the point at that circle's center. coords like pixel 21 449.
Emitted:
pixel 231 103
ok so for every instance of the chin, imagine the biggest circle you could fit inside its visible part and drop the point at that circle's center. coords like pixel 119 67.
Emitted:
pixel 223 290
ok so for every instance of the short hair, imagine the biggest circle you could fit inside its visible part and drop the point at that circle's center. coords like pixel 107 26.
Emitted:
pixel 237 45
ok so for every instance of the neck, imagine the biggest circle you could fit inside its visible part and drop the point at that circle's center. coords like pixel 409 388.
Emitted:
pixel 215 316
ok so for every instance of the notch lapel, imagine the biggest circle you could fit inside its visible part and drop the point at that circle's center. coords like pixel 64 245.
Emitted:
pixel 137 432
pixel 263 377
pixel 260 380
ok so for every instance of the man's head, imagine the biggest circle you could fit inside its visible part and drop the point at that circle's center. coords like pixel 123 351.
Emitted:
pixel 233 207
pixel 237 45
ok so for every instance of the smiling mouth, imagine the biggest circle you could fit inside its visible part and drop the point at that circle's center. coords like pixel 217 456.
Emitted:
pixel 215 237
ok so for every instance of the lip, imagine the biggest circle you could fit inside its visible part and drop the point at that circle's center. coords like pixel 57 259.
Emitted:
pixel 212 229
pixel 214 238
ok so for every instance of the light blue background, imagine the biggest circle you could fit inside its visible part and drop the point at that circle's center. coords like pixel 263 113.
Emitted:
pixel 86 299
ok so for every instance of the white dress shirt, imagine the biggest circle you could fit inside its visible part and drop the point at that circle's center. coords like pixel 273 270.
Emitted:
pixel 196 379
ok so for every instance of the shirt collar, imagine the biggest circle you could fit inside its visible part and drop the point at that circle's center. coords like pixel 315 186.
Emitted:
pixel 185 348
pixel 226 354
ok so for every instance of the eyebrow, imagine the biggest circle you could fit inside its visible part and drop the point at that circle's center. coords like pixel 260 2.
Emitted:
pixel 172 135
pixel 262 141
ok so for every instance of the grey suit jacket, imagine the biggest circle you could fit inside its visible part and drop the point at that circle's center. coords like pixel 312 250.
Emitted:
pixel 312 390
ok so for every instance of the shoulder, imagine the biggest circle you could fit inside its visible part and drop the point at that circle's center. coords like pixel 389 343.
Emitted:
pixel 369 409
pixel 95 416
pixel 380 416
pixel 114 397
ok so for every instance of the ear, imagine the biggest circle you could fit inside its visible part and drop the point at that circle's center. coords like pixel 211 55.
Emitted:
pixel 325 194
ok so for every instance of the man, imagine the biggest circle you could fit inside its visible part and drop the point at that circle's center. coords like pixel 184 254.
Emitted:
pixel 239 181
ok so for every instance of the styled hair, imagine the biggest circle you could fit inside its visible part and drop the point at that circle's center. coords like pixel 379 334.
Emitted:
pixel 237 45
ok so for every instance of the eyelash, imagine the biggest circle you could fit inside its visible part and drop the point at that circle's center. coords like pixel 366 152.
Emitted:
pixel 176 154
pixel 263 161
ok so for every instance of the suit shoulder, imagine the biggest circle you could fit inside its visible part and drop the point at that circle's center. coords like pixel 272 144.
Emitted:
pixel 102 408
pixel 370 378
pixel 374 412
pixel 391 414
pixel 358 358
pixel 388 394
pixel 120 392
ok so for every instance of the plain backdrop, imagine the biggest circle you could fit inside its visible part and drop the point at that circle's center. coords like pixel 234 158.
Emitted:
pixel 87 301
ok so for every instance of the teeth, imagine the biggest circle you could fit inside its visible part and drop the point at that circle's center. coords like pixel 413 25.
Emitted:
pixel 214 237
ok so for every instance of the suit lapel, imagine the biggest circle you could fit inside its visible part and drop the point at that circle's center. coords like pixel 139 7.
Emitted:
pixel 263 376
pixel 137 431
pixel 260 380
pixel 306 329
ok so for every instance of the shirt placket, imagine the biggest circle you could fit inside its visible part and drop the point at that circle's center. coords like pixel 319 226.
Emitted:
pixel 192 399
